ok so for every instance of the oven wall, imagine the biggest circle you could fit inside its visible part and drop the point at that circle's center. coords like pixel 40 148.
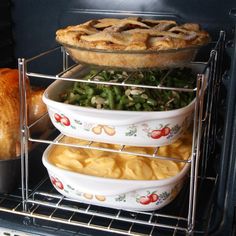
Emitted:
pixel 6 40
pixel 35 22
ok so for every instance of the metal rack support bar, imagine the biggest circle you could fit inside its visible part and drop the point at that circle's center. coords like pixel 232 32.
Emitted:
pixel 23 124
pixel 30 202
pixel 195 151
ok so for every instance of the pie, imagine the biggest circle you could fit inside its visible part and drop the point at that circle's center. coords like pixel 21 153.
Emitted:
pixel 117 42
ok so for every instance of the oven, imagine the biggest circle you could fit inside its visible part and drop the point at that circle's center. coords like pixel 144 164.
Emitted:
pixel 205 204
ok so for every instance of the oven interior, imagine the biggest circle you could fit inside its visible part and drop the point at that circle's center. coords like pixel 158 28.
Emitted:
pixel 38 205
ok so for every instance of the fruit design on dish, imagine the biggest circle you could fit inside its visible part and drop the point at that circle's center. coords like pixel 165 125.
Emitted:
pixel 131 131
pixel 163 131
pixel 107 129
pixel 121 198
pixel 152 198
pixel 100 198
pixel 90 196
pixel 64 120
pixel 147 199
pixel 142 199
pixel 68 189
pixel 156 134
pixel 57 183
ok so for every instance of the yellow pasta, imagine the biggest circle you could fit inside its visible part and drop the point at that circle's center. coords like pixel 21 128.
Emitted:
pixel 122 166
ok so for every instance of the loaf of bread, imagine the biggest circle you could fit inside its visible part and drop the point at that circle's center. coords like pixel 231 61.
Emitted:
pixel 10 111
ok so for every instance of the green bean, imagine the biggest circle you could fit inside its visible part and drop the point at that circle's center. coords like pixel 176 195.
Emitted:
pixel 110 98
pixel 118 93
pixel 82 102
pixel 138 106
pixel 139 99
pixel 89 91
pixel 151 102
pixel 76 84
pixel 105 75
pixel 154 99
pixel 120 105
pixel 87 102
pixel 130 104
pixel 117 90
pixel 78 90
pixel 91 74
pixel 146 107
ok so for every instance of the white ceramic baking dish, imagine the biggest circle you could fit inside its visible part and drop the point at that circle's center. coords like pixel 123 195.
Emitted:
pixel 134 128
pixel 144 195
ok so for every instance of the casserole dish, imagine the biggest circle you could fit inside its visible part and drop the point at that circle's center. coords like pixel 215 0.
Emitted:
pixel 133 194
pixel 120 127
pixel 135 128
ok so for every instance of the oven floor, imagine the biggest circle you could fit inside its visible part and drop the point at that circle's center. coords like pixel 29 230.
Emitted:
pixel 51 213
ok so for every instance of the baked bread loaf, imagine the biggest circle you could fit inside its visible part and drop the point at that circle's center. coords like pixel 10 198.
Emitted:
pixel 132 42
pixel 10 112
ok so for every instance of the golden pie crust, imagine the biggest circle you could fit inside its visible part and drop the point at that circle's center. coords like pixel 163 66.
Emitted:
pixel 132 42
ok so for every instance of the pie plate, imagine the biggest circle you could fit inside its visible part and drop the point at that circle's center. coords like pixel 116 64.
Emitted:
pixel 132 59
pixel 133 42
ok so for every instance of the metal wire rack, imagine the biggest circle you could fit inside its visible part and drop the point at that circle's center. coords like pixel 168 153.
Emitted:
pixel 44 203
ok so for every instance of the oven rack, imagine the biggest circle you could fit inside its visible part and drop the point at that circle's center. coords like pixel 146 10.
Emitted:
pixel 93 145
pixel 29 201
pixel 45 204
pixel 69 73
pixel 194 158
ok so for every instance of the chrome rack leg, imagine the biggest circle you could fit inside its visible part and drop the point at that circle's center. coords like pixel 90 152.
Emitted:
pixel 210 113
pixel 64 59
pixel 197 129
pixel 23 131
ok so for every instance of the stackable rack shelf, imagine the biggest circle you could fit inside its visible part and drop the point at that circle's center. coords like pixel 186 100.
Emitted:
pixel 41 201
